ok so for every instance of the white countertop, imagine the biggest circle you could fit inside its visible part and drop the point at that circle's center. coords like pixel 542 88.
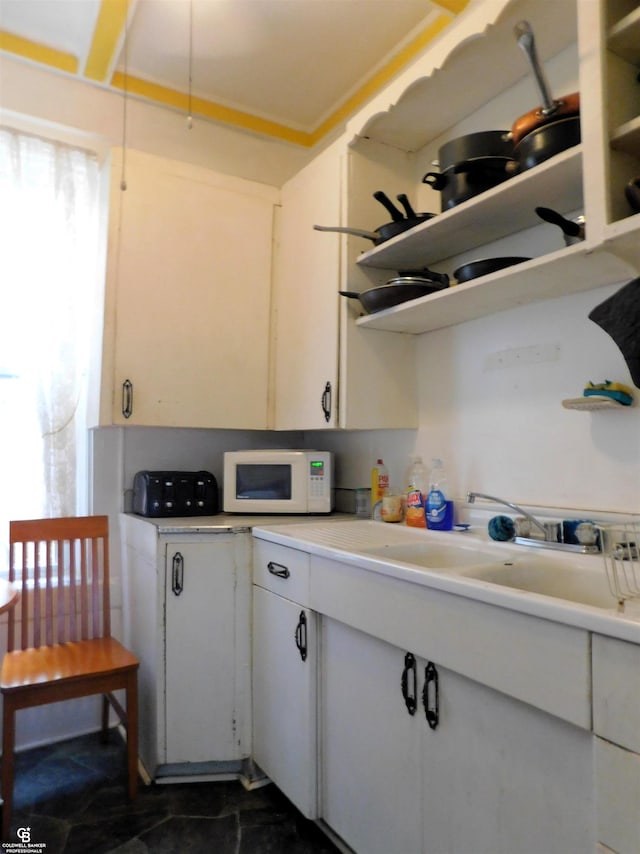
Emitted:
pixel 348 542
pixel 227 523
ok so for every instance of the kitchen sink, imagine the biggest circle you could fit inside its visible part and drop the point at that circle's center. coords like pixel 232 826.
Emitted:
pixel 440 556
pixel 551 578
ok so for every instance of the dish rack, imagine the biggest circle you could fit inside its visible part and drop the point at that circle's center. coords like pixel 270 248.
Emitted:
pixel 620 543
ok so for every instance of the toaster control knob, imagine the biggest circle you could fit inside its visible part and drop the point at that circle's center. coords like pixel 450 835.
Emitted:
pixel 200 503
pixel 168 505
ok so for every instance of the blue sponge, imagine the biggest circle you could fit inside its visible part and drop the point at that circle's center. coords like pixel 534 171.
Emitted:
pixel 501 528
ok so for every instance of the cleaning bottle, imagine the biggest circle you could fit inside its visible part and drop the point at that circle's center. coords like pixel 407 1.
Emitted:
pixel 439 509
pixel 379 482
pixel 416 495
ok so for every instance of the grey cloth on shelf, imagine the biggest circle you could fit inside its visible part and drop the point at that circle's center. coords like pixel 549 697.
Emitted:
pixel 619 316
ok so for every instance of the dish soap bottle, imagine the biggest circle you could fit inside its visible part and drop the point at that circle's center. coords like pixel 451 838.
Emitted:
pixel 439 509
pixel 379 483
pixel 416 495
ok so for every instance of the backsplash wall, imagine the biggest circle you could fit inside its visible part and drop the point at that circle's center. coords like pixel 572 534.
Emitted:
pixel 490 404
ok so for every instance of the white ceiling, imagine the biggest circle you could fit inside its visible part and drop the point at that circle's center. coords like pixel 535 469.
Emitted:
pixel 291 62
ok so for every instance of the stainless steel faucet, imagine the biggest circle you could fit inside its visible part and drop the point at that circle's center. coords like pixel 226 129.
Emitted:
pixel 471 497
pixel 550 531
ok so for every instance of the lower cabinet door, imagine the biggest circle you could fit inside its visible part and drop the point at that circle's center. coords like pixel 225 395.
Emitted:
pixel 371 765
pixel 501 777
pixel 284 696
pixel 200 654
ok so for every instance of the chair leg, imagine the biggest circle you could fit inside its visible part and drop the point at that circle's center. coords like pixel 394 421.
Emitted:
pixel 105 719
pixel 8 761
pixel 132 734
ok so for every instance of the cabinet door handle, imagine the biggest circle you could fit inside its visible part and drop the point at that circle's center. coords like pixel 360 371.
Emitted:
pixel 326 402
pixel 410 692
pixel 177 574
pixel 278 569
pixel 127 398
pixel 301 636
pixel 431 696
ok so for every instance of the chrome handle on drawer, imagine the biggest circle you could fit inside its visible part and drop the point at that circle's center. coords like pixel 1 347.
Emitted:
pixel 278 569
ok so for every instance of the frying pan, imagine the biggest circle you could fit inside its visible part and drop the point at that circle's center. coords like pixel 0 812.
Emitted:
pixel 474 269
pixel 398 217
pixel 386 296
pixel 543 142
pixel 472 148
pixel 573 230
pixel 551 110
pixel 384 232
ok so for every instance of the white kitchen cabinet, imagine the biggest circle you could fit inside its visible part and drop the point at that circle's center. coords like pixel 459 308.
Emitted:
pixel 371 767
pixel 492 775
pixel 284 668
pixel 327 373
pixel 187 617
pixel 617 783
pixel 616 726
pixel 187 297
pixel 501 776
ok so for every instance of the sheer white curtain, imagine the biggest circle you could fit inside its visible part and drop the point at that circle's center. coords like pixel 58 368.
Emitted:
pixel 48 276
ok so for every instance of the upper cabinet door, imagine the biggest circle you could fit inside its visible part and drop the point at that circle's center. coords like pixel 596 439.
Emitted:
pixel 307 272
pixel 188 298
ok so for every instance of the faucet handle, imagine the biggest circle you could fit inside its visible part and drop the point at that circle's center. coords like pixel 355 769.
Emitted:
pixel 552 532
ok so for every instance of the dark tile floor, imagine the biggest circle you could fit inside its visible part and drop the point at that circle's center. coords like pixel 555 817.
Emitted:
pixel 72 797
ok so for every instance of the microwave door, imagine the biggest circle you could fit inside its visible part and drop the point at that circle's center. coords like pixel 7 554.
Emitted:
pixel 264 482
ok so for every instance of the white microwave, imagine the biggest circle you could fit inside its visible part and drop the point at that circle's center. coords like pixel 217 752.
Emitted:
pixel 278 481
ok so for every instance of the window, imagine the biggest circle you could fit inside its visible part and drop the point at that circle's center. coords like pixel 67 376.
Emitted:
pixel 48 284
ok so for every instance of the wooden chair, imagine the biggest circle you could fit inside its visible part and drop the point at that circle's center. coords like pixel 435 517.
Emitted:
pixel 59 635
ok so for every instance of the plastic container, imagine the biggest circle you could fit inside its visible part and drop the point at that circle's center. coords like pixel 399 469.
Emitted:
pixel 392 505
pixel 417 488
pixel 379 483
pixel 439 508
pixel 363 503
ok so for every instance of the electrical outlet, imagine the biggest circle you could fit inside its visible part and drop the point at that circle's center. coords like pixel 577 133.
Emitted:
pixel 522 356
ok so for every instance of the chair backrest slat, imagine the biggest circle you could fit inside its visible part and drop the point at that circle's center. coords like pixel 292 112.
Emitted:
pixel 61 599
pixel 66 598
pixel 37 598
pixel 84 597
pixel 48 595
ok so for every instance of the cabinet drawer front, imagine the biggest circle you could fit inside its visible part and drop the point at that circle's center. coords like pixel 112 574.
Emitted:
pixel 283 570
pixel 540 662
pixel 616 691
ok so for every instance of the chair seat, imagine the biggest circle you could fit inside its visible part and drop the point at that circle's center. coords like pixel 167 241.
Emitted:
pixel 64 662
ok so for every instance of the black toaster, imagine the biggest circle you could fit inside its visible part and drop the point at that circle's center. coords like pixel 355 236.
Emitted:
pixel 175 493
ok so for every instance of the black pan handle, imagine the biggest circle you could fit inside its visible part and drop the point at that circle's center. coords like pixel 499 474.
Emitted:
pixel 396 215
pixel 406 204
pixel 572 229
pixel 436 180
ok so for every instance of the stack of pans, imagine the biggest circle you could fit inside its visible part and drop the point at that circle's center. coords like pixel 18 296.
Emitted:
pixel 405 286
pixel 471 164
